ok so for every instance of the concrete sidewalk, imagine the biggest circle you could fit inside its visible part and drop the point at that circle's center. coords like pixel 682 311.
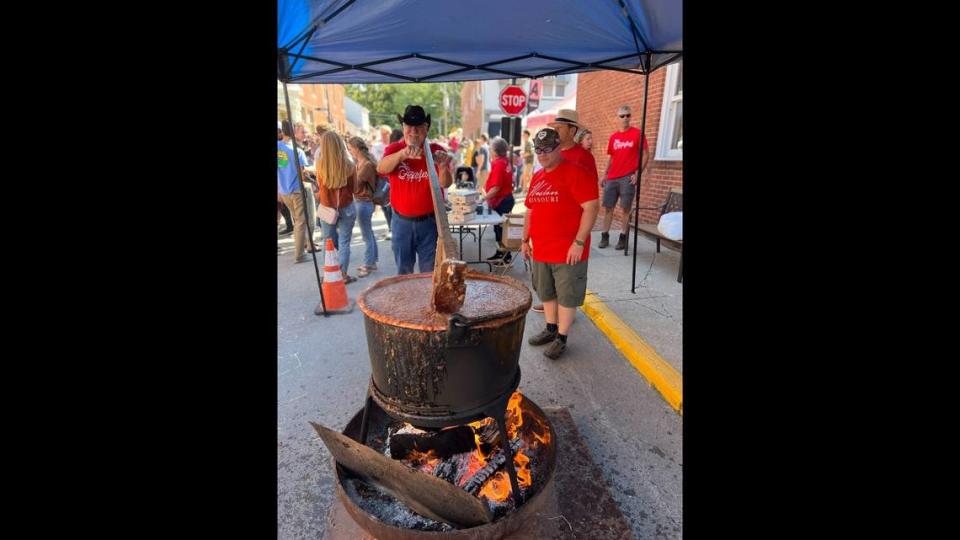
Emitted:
pixel 632 432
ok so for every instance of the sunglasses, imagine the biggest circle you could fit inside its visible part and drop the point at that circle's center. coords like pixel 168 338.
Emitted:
pixel 624 116
pixel 545 150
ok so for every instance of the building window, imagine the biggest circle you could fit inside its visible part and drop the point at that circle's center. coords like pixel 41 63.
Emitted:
pixel 670 138
pixel 554 87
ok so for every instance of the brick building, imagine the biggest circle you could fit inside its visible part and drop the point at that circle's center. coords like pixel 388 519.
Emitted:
pixel 471 108
pixel 314 104
pixel 600 93
pixel 480 107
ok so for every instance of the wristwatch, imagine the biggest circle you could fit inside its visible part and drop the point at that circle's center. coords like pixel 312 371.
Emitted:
pixel 577 242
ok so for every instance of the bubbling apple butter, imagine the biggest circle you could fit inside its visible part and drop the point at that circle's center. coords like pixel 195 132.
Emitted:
pixel 405 300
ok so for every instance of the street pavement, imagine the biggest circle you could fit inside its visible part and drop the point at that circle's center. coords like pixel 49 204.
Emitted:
pixel 633 435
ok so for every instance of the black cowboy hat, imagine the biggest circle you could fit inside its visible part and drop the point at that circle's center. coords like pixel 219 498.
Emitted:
pixel 414 115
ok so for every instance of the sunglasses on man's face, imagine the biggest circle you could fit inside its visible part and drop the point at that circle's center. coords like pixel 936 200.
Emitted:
pixel 624 116
pixel 545 150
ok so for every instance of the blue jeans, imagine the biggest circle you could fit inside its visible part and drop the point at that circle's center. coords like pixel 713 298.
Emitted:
pixel 388 215
pixel 340 233
pixel 365 214
pixel 505 207
pixel 414 240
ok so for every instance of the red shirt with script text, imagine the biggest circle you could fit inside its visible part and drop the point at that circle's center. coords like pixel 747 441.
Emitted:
pixel 410 183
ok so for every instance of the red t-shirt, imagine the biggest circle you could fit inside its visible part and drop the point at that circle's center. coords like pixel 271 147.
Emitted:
pixel 499 176
pixel 410 183
pixel 554 199
pixel 581 156
pixel 623 147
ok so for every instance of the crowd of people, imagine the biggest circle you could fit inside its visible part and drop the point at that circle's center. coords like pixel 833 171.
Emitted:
pixel 555 168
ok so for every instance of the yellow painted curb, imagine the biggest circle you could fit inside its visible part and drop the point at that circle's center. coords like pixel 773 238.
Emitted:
pixel 651 365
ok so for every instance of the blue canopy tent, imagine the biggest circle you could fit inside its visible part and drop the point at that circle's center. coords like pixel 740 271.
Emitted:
pixel 400 41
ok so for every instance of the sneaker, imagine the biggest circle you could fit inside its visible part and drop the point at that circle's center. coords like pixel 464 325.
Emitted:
pixel 555 349
pixel 301 259
pixel 538 308
pixel 498 255
pixel 507 258
pixel 544 337
pixel 622 242
pixel 604 240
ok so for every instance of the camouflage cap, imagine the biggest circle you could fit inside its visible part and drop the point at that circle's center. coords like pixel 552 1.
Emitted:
pixel 546 139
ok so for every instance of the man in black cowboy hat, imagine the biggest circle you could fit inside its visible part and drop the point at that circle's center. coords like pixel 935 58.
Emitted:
pixel 414 227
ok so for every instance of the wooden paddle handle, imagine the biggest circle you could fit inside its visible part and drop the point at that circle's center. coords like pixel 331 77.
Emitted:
pixel 449 272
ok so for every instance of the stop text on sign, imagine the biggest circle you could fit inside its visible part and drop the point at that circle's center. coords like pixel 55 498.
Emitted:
pixel 512 100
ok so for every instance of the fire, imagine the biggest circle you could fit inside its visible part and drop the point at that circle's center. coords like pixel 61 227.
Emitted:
pixel 428 460
pixel 545 439
pixel 514 415
pixel 476 437
pixel 475 463
pixel 497 488
pixel 520 462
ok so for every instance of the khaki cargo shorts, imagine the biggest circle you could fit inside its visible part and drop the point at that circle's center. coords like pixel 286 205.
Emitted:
pixel 560 281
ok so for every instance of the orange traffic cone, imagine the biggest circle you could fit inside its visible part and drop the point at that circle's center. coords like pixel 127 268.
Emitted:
pixel 334 289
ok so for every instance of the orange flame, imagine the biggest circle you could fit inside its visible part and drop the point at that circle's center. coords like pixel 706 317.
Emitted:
pixel 514 415
pixel 497 488
pixel 521 462
pixel 476 437
pixel 418 459
pixel 545 439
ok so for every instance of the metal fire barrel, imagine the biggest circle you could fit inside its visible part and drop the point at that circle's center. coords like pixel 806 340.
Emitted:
pixel 428 365
pixel 514 522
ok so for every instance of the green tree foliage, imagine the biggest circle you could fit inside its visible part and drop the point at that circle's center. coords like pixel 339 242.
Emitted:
pixel 386 101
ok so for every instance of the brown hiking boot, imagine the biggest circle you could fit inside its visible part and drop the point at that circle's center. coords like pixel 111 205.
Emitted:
pixel 604 240
pixel 555 349
pixel 622 242
pixel 543 337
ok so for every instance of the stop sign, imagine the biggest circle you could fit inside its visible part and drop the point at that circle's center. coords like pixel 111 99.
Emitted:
pixel 512 100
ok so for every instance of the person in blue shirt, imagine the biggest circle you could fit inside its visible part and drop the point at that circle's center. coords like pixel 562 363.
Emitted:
pixel 289 186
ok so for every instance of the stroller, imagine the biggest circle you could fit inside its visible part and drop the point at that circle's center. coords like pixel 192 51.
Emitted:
pixel 464 178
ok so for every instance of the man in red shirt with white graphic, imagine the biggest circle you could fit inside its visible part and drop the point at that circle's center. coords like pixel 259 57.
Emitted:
pixel 562 206
pixel 620 179
pixel 414 226
pixel 566 125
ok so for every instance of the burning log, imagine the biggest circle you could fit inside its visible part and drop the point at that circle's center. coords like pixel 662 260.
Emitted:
pixel 489 433
pixel 475 482
pixel 444 443
pixel 448 470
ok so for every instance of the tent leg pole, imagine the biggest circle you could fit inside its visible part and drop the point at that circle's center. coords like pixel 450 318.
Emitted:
pixel 643 133
pixel 303 194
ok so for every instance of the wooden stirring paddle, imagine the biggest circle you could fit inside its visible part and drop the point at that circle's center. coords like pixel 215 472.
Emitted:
pixel 449 272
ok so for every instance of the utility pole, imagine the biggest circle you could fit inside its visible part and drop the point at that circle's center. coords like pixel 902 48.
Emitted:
pixel 446 105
